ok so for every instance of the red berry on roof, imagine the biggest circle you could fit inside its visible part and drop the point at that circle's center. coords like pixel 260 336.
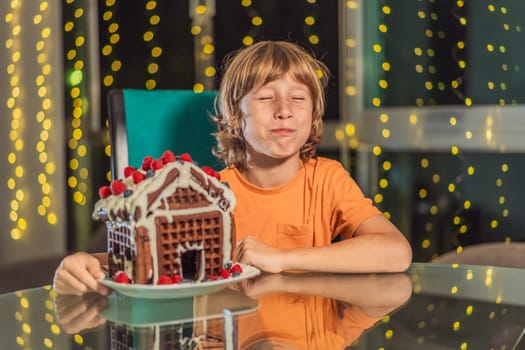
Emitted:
pixel 176 279
pixel 156 164
pixel 146 162
pixel 117 187
pixel 121 277
pixel 210 171
pixel 185 157
pixel 128 171
pixel 168 157
pixel 164 279
pixel 138 176
pixel 104 192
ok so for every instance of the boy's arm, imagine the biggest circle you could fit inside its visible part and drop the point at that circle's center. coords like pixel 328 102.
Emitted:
pixel 377 246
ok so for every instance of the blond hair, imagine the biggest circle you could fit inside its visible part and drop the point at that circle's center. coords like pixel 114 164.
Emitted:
pixel 253 67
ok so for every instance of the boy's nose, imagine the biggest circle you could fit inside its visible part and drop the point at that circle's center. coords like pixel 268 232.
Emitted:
pixel 283 109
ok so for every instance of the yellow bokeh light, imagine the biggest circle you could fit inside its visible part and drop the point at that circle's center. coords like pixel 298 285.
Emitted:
pixel 52 218
pixel 309 20
pixel 113 27
pixel 108 80
pixel 154 20
pixel 198 87
pixel 26 328
pixel 351 90
pixel 200 10
pixel 55 329
pixel 210 71
pixel 116 65
pixel 148 36
pixel 151 5
pixel 79 41
pixel 196 29
pixel 156 52
pixel 247 40
pixel 78 339
pixel 257 21
pixel 313 39
pixel 350 129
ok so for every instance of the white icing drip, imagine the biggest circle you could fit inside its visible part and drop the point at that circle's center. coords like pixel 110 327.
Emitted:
pixel 138 199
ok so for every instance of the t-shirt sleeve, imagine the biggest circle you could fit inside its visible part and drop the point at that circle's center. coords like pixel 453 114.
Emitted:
pixel 349 206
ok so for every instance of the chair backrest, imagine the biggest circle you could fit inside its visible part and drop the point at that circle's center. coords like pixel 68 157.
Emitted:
pixel 148 122
pixel 491 253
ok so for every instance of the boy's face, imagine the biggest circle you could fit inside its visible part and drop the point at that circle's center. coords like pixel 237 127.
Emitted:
pixel 278 118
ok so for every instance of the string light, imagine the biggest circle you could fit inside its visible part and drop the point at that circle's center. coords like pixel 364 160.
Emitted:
pixel 202 13
pixel 77 93
pixel 151 40
pixel 16 133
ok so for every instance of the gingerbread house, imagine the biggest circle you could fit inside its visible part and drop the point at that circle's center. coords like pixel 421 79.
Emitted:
pixel 176 221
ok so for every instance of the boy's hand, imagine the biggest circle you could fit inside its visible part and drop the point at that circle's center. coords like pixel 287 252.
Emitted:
pixel 77 274
pixel 251 251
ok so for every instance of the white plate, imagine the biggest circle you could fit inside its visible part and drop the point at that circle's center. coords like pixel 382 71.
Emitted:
pixel 179 290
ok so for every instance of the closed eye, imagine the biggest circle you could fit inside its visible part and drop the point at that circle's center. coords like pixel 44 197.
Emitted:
pixel 298 98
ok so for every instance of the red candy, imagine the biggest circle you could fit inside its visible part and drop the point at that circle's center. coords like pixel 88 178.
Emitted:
pixel 104 192
pixel 185 157
pixel 225 273
pixel 168 157
pixel 128 171
pixel 147 162
pixel 156 164
pixel 210 171
pixel 164 279
pixel 117 187
pixel 236 268
pixel 138 177
pixel 121 277
pixel 176 279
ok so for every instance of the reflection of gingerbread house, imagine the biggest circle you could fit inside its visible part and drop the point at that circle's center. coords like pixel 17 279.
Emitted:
pixel 177 221
pixel 178 336
pixel 206 321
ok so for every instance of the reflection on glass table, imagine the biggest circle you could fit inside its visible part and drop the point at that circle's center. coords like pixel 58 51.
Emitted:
pixel 295 311
pixel 456 307
pixel 433 306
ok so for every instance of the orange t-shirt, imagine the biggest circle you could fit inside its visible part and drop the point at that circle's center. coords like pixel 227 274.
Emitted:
pixel 289 321
pixel 321 202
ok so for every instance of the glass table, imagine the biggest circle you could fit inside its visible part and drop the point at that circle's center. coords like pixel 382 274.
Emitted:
pixel 433 306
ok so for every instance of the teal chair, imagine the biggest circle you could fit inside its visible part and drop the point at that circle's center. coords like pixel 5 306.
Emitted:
pixel 148 122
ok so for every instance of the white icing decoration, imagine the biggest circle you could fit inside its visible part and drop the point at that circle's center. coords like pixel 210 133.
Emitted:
pixel 138 199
